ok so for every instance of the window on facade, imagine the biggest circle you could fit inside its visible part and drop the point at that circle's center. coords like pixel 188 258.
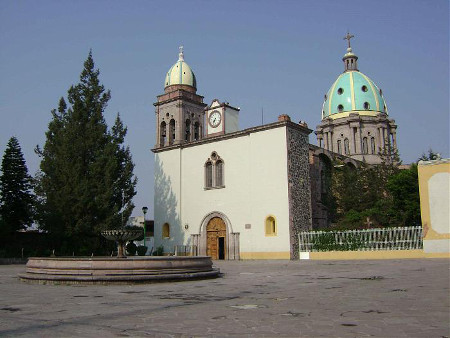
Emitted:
pixel 339 146
pixel 172 131
pixel 166 230
pixel 196 131
pixel 346 147
pixel 162 131
pixel 214 172
pixel 208 175
pixel 187 136
pixel 271 226
pixel 372 144
pixel 219 173
pixel 365 149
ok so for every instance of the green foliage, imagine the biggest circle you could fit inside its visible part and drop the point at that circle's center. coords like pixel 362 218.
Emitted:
pixel 131 248
pixel 430 156
pixel 141 250
pixel 375 195
pixel 404 189
pixel 327 242
pixel 16 197
pixel 86 183
pixel 159 251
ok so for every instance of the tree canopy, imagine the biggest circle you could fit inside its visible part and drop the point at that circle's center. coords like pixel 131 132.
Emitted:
pixel 16 197
pixel 86 182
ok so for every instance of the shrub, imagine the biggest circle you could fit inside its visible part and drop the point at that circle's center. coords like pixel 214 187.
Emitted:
pixel 131 248
pixel 141 250
pixel 159 251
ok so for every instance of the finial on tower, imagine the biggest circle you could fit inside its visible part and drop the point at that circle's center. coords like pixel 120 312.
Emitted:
pixel 348 37
pixel 181 55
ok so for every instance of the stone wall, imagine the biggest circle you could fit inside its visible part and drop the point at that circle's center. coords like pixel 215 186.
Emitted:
pixel 298 185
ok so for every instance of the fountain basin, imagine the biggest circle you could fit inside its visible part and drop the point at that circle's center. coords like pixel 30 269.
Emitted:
pixel 111 270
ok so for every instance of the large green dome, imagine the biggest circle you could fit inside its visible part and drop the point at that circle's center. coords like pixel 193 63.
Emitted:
pixel 353 92
pixel 180 73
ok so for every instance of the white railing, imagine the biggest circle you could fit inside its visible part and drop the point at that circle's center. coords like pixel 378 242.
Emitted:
pixel 402 238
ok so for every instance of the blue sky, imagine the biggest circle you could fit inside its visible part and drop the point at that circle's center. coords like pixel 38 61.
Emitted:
pixel 280 56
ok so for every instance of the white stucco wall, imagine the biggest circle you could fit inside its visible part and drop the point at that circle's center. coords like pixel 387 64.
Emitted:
pixel 255 177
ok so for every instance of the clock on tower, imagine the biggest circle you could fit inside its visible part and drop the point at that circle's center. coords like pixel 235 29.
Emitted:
pixel 221 118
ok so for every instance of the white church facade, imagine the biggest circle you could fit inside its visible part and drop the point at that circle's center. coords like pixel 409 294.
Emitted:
pixel 215 189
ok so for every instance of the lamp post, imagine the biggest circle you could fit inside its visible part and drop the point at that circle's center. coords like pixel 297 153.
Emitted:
pixel 144 210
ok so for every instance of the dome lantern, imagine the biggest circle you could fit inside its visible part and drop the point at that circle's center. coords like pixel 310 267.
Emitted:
pixel 350 59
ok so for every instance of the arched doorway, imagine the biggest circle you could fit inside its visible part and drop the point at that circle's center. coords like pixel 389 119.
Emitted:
pixel 216 238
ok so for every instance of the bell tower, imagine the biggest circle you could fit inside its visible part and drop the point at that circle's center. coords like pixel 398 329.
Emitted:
pixel 179 111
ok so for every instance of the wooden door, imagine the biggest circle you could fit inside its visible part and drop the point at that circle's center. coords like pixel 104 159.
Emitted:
pixel 216 229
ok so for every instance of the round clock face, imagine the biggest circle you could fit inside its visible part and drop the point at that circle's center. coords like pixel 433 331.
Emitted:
pixel 215 118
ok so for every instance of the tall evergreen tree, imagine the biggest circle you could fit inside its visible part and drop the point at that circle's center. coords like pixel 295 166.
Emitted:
pixel 86 182
pixel 16 197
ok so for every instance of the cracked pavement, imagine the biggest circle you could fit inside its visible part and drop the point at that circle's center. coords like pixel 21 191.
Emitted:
pixel 383 298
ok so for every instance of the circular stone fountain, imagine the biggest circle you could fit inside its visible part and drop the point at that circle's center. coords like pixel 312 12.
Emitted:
pixel 117 270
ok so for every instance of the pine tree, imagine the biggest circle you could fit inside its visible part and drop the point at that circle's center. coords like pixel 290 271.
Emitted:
pixel 16 197
pixel 86 183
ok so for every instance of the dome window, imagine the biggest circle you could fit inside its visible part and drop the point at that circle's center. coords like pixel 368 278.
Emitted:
pixel 340 108
pixel 364 88
pixel 340 91
pixel 381 92
pixel 366 105
pixel 325 97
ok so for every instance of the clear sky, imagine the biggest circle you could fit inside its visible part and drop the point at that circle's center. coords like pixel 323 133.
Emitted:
pixel 279 56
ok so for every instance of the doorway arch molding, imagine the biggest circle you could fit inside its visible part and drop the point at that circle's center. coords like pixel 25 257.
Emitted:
pixel 232 240
pixel 210 216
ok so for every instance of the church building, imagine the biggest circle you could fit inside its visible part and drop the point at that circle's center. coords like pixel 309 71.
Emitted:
pixel 214 188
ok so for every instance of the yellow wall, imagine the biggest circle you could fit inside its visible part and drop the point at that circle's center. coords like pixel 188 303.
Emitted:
pixel 426 171
pixel 381 254
pixel 265 255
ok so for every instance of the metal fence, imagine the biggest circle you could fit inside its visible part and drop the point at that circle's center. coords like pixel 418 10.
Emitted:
pixel 185 250
pixel 401 238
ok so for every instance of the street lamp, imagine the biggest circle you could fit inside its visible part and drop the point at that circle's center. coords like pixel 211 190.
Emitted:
pixel 144 210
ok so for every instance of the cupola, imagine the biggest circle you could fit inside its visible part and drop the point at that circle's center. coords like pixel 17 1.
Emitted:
pixel 180 73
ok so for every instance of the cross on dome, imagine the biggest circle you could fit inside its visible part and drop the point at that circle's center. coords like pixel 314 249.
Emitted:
pixel 348 37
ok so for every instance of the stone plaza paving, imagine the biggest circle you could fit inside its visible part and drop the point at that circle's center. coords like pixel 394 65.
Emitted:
pixel 383 298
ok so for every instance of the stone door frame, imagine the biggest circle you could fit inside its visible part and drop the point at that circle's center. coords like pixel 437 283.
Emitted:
pixel 232 238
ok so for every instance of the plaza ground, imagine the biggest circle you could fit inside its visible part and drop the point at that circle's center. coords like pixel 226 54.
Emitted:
pixel 385 298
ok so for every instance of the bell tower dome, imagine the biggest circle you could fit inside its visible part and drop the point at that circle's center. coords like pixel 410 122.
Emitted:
pixel 179 111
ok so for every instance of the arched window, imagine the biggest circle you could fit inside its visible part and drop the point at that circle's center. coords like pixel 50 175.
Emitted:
pixel 339 146
pixel 162 131
pixel 271 226
pixel 187 136
pixel 214 172
pixel 172 131
pixel 166 230
pixel 196 131
pixel 219 173
pixel 346 147
pixel 365 146
pixel 372 144
pixel 208 174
